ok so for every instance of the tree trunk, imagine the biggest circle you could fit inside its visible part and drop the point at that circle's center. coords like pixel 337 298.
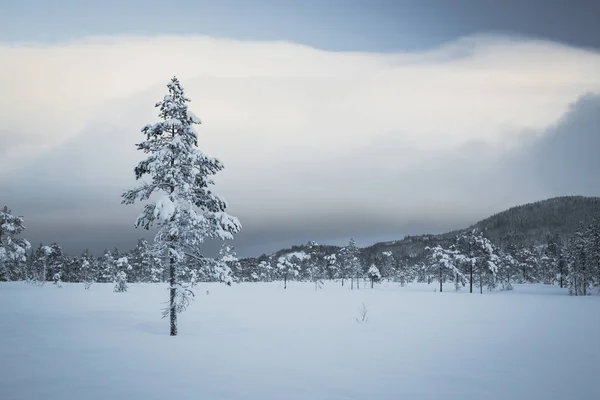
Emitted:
pixel 285 281
pixel 440 280
pixel 372 281
pixel 173 292
pixel 351 283
pixel 342 281
pixel 561 281
pixel 471 279
pixel 480 281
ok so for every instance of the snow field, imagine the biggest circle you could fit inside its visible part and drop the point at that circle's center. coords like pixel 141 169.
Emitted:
pixel 258 341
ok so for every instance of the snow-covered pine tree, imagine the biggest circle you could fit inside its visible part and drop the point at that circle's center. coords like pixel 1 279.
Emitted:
pixel 120 282
pixel 528 261
pixel 593 251
pixel 508 265
pixel 88 269
pixel 70 271
pixel 57 279
pixel 13 249
pixel 317 263
pixel 229 260
pixel 55 261
pixel 332 265
pixel 107 267
pixel 479 256
pixel 40 264
pixel 374 275
pixel 288 267
pixel 401 272
pixel 123 267
pixel 264 272
pixel 350 264
pixel 466 244
pixel 578 278
pixel 188 211
pixel 550 260
pixel 30 272
pixel 215 270
pixel 387 265
pixel 444 262
pixel 136 261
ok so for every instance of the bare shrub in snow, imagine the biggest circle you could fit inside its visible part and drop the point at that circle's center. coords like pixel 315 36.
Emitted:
pixel 362 316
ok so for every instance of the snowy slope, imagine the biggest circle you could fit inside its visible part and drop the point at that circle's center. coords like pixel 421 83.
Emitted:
pixel 257 341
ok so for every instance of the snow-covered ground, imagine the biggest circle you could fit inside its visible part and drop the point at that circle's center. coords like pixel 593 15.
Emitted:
pixel 258 341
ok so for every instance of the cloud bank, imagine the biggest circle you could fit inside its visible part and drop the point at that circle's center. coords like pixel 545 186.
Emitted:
pixel 316 144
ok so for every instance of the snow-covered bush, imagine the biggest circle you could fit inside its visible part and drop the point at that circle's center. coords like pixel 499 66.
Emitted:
pixel 121 282
pixel 374 275
pixel 57 280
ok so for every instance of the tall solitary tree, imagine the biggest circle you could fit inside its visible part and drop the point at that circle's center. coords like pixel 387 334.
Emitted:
pixel 187 211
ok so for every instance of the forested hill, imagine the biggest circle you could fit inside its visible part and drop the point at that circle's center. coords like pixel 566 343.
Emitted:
pixel 530 224
pixel 523 226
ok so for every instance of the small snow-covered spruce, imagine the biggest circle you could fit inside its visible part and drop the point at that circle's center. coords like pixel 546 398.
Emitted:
pixel 121 276
pixel 188 212
pixel 121 282
pixel 231 269
pixel 57 280
pixel 87 269
pixel 374 275
pixel 13 249
pixel 88 279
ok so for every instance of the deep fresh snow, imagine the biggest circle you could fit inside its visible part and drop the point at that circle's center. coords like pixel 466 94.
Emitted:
pixel 258 341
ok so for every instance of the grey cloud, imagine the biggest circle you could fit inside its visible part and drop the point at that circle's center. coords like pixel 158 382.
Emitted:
pixel 327 198
pixel 286 189
pixel 566 159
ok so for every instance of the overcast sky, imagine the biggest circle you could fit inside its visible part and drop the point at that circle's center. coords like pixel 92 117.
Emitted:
pixel 372 119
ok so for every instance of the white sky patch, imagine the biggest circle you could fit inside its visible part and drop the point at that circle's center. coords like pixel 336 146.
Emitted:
pixel 280 95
